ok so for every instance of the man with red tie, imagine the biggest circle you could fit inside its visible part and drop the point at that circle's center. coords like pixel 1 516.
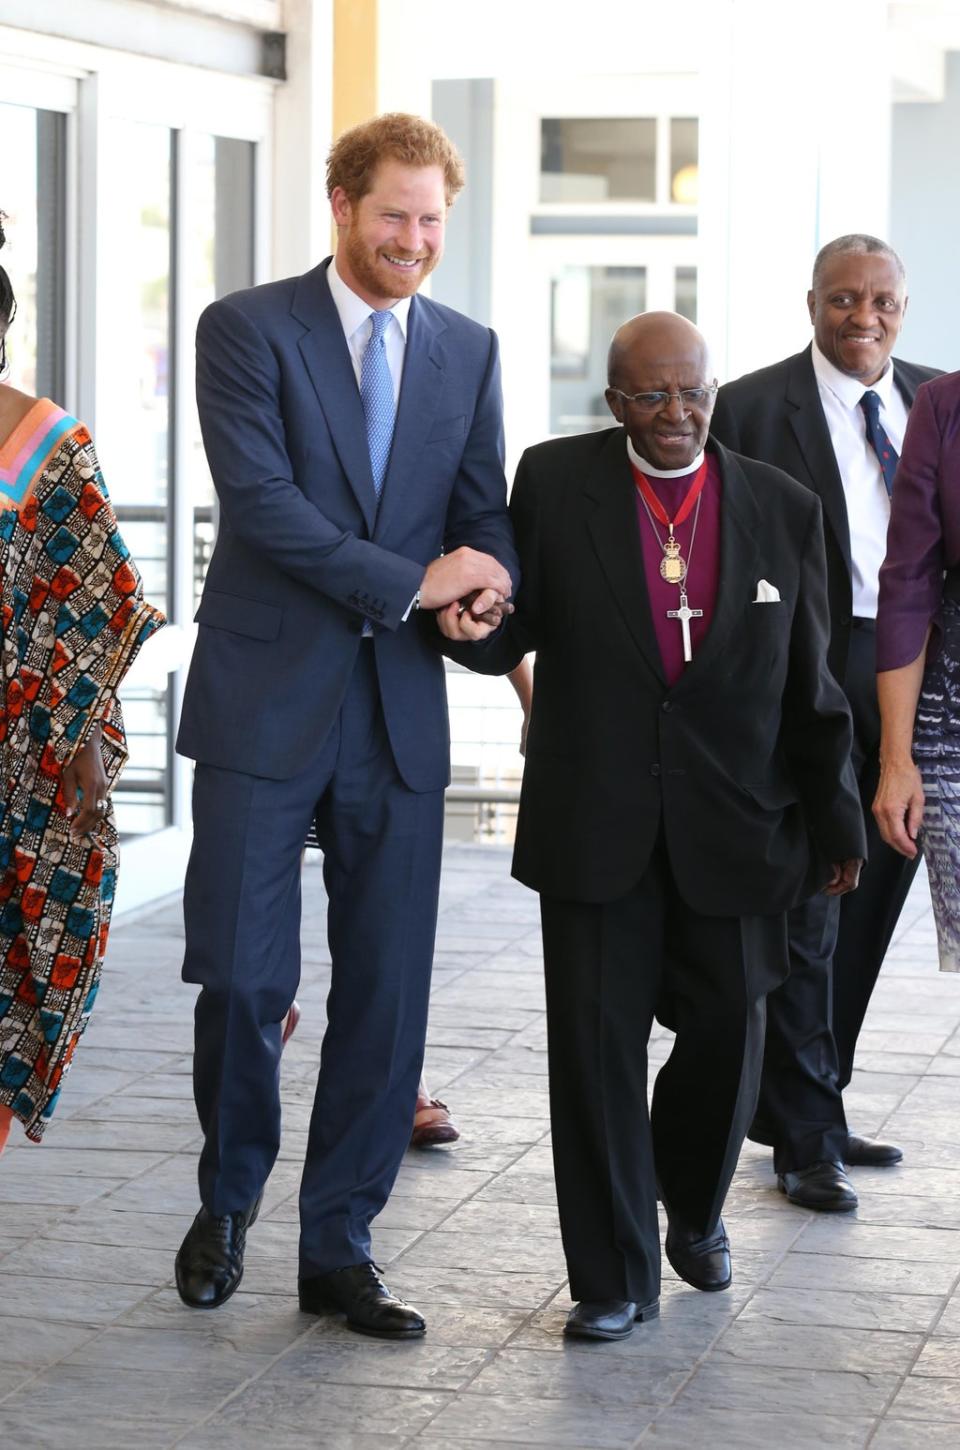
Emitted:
pixel 833 417
pixel 687 780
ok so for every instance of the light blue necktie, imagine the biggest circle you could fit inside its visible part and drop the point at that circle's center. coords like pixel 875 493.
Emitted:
pixel 376 394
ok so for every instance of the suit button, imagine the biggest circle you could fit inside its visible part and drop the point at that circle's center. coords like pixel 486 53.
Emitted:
pixel 666 706
pixel 654 770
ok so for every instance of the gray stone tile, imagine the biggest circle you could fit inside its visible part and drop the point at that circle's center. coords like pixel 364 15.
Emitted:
pixel 480 1216
pixel 906 1312
pixel 758 1342
pixel 870 1241
pixel 836 1271
pixel 341 1358
pixel 66 1259
pixel 216 1435
pixel 22 1188
pixel 120 1408
pixel 939 1358
pixel 73 1301
pixel 685 1426
pixel 560 1423
pixel 42 1342
pixel 511 1252
pixel 259 1325
pixel 448 1285
pixel 894 1434
pixel 924 1397
pixel 327 1411
pixel 723 1385
pixel 580 1374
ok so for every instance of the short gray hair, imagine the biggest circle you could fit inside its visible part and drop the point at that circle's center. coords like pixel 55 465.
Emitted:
pixel 856 244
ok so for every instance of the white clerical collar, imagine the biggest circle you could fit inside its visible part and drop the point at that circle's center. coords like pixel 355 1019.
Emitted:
pixel 652 472
pixel 848 390
pixel 353 311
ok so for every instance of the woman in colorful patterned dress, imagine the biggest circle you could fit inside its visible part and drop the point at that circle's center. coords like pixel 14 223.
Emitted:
pixel 918 656
pixel 72 618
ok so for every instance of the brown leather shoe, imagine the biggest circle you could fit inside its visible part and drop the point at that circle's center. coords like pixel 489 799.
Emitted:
pixel 432 1123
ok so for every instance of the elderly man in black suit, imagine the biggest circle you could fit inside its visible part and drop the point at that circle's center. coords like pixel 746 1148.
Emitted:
pixel 687 780
pixel 833 416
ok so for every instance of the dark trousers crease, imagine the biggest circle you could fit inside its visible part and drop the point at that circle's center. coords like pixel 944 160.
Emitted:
pixel 837 948
pixel 610 970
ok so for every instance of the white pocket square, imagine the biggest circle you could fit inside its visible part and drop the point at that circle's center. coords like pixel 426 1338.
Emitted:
pixel 767 593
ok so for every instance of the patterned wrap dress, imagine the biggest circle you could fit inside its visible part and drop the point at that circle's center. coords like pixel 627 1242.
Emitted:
pixel 936 749
pixel 73 620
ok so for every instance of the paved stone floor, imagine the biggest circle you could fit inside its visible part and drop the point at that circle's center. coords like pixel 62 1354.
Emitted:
pixel 837 1332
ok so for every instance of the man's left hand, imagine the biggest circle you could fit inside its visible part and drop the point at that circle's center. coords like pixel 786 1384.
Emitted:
pixel 845 877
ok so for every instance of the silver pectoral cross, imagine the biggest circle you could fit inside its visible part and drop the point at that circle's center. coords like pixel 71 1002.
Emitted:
pixel 685 614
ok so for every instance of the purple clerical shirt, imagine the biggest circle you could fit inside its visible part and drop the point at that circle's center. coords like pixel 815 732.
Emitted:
pixel 924 534
pixel 703 563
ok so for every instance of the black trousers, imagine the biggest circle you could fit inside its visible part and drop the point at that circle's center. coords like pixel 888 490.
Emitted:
pixel 610 968
pixel 837 946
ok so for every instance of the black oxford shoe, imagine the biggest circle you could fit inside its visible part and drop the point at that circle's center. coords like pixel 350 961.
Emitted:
pixel 702 1260
pixel 607 1318
pixel 822 1186
pixel 868 1153
pixel 359 1292
pixel 210 1262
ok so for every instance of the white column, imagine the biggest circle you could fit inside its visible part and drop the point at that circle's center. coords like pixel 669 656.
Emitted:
pixel 301 230
pixel 795 150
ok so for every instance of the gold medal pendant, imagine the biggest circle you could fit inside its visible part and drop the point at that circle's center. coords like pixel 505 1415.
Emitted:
pixel 672 567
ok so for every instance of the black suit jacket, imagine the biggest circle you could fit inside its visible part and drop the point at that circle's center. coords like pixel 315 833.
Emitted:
pixel 776 415
pixel 745 760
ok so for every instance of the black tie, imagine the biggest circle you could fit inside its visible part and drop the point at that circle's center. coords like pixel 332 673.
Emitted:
pixel 887 455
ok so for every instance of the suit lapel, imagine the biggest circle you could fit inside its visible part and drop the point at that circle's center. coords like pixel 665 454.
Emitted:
pixel 739 562
pixel 905 381
pixel 326 357
pixel 612 524
pixel 813 438
pixel 421 386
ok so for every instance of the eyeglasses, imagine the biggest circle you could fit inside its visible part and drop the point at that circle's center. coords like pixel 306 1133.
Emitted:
pixel 653 402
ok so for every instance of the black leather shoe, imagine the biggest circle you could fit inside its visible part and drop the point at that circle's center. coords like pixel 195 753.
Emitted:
pixel 607 1318
pixel 359 1292
pixel 702 1260
pixel 210 1262
pixel 867 1153
pixel 822 1186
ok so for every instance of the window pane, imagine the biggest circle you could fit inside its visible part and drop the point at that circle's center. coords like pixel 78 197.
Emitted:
pixel 217 259
pixel 34 198
pixel 613 159
pixel 684 148
pixel 133 394
pixel 134 422
pixel 588 304
pixel 685 292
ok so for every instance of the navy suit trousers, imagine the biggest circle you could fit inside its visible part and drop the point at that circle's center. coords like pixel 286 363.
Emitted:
pixel 382 847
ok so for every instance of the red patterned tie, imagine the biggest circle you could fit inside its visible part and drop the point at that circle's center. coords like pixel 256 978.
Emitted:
pixel 886 453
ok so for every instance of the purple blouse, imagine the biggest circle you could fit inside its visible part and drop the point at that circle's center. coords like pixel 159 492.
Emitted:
pixel 704 564
pixel 924 534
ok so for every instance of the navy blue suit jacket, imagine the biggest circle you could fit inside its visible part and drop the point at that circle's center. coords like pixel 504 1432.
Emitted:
pixel 304 554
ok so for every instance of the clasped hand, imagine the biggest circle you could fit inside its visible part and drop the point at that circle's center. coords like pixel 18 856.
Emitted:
pixel 845 877
pixel 470 592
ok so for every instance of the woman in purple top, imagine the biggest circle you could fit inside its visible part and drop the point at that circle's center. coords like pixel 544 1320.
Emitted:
pixel 918 656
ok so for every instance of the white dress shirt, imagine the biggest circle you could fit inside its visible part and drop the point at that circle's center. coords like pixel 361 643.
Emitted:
pixel 355 320
pixel 867 500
